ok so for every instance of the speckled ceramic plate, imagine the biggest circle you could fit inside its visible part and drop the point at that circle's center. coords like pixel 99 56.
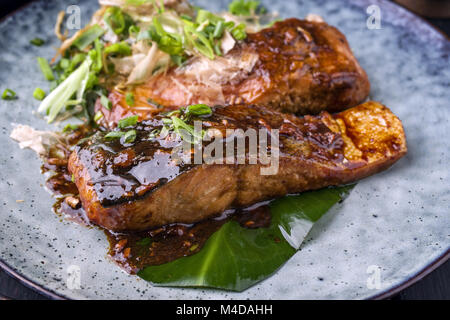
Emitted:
pixel 394 227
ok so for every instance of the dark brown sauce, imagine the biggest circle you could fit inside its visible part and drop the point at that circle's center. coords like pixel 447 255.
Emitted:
pixel 136 250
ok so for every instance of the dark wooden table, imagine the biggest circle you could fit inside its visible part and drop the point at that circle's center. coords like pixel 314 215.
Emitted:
pixel 434 286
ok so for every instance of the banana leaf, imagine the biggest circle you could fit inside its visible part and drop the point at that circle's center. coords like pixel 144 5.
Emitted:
pixel 235 258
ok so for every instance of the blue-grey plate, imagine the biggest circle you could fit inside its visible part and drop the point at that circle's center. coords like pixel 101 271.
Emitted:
pixel 393 228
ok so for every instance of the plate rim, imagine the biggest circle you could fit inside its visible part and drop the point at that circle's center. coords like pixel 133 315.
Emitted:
pixel 385 294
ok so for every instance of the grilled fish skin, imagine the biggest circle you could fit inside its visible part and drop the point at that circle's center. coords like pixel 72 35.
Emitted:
pixel 302 67
pixel 139 186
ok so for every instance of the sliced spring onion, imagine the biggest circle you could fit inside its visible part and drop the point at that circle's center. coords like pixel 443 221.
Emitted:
pixel 117 20
pixel 129 136
pixel 88 37
pixel 186 131
pixel 199 110
pixel 8 94
pixel 134 30
pixel 64 63
pixel 74 83
pixel 199 41
pixel 129 99
pixel 218 31
pixel 243 7
pixel 70 127
pixel 37 42
pixel 45 68
pixel 114 135
pixel 96 56
pixel 120 48
pixel 127 122
pixel 98 116
pixel 238 32
pixel 106 102
pixel 205 15
pixel 178 59
pixel 75 62
pixel 39 94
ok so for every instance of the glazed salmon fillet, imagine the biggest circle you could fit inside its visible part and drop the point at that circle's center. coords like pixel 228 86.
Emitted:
pixel 296 66
pixel 139 185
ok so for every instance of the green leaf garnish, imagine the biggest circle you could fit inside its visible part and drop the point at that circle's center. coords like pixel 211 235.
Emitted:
pixel 37 42
pixel 106 102
pixel 88 37
pixel 199 110
pixel 127 122
pixel 118 21
pixel 114 135
pixel 98 115
pixel 129 136
pixel 129 99
pixel 243 7
pixel 39 94
pixel 61 95
pixel 120 48
pixel 70 127
pixel 199 41
pixel 186 131
pixel 238 32
pixel 45 68
pixel 8 94
pixel 96 56
pixel 235 258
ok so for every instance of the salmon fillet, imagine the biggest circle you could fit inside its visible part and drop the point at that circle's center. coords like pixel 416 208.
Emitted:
pixel 140 185
pixel 296 66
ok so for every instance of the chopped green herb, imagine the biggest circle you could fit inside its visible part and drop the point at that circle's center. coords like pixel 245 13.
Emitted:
pixel 205 15
pixel 217 49
pixel 193 247
pixel 98 116
pixel 129 136
pixel 73 178
pixel 199 110
pixel 154 133
pixel 96 56
pixel 62 94
pixel 238 32
pixel 177 59
pixel 167 121
pixel 129 98
pixel 70 127
pixel 106 102
pixel 114 135
pixel 134 30
pixel 120 48
pixel 243 7
pixel 64 63
pixel 199 41
pixel 45 68
pixel 75 62
pixel 186 17
pixel 37 42
pixel 127 122
pixel 39 94
pixel 88 36
pixel 218 30
pixel 117 20
pixel 8 94
pixel 186 131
